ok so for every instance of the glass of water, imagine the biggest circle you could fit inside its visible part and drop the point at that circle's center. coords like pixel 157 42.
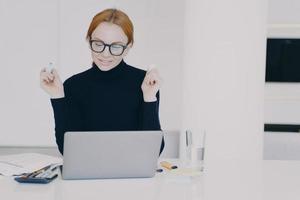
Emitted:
pixel 195 149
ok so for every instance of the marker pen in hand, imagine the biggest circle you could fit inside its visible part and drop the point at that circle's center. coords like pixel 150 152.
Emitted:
pixel 50 67
pixel 152 67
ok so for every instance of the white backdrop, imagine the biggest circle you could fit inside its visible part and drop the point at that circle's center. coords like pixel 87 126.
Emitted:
pixel 34 33
pixel 228 38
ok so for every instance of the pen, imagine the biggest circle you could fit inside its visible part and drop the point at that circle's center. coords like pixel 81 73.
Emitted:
pixel 49 173
pixel 54 166
pixel 33 174
pixel 168 165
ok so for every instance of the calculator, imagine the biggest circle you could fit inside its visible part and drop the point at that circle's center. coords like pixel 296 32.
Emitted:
pixel 45 177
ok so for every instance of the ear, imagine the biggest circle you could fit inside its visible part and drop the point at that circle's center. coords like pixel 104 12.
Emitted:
pixel 127 49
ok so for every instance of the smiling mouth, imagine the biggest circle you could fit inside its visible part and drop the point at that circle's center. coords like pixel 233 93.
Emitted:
pixel 105 61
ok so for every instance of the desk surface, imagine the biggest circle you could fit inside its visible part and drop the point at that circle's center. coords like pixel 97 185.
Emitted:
pixel 265 180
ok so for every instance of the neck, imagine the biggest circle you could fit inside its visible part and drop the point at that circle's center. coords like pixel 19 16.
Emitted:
pixel 112 72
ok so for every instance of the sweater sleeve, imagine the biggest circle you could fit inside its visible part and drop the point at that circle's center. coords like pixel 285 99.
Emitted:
pixel 150 117
pixel 67 115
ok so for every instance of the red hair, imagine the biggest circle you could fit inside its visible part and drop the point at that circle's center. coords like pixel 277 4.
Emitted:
pixel 113 16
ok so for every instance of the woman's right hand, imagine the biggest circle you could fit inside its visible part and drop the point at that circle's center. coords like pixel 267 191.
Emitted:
pixel 50 82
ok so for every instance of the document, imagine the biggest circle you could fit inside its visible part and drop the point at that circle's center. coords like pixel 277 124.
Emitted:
pixel 18 164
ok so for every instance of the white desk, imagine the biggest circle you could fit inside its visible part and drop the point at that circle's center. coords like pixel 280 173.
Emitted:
pixel 266 180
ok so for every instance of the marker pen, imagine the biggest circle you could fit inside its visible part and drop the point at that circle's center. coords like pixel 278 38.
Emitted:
pixel 168 165
pixel 151 66
pixel 50 67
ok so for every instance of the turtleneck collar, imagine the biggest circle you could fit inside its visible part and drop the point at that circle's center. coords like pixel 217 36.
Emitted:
pixel 112 72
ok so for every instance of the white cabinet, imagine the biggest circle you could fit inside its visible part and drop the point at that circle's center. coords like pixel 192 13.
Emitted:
pixel 281 146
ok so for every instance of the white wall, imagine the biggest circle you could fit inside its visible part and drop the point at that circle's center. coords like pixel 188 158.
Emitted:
pixel 28 39
pixel 224 63
pixel 284 12
pixel 34 33
pixel 282 100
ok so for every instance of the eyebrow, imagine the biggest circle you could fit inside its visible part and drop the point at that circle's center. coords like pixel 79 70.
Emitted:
pixel 104 42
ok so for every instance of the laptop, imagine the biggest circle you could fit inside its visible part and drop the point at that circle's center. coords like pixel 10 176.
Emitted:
pixel 111 154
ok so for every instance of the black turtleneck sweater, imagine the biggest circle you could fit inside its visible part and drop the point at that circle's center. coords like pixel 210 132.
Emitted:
pixel 98 100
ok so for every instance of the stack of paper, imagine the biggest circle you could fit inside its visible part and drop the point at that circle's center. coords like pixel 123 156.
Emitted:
pixel 18 164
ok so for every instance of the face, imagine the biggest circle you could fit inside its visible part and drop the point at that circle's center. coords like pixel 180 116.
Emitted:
pixel 108 33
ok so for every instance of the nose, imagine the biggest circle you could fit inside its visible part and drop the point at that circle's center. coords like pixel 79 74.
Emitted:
pixel 106 52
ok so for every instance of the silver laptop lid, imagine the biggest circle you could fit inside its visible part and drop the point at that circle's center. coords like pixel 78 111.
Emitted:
pixel 113 154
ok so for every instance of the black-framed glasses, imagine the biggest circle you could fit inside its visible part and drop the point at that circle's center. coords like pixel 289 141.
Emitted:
pixel 115 49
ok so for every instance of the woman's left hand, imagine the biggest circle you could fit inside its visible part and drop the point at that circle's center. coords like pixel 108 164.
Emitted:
pixel 151 85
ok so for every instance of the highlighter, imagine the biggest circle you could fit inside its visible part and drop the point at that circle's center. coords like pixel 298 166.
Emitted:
pixel 168 165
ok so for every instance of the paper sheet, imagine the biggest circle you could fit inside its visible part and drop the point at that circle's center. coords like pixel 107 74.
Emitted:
pixel 17 164
pixel 186 172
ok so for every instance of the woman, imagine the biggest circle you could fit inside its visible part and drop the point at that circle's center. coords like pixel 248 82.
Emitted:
pixel 111 95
